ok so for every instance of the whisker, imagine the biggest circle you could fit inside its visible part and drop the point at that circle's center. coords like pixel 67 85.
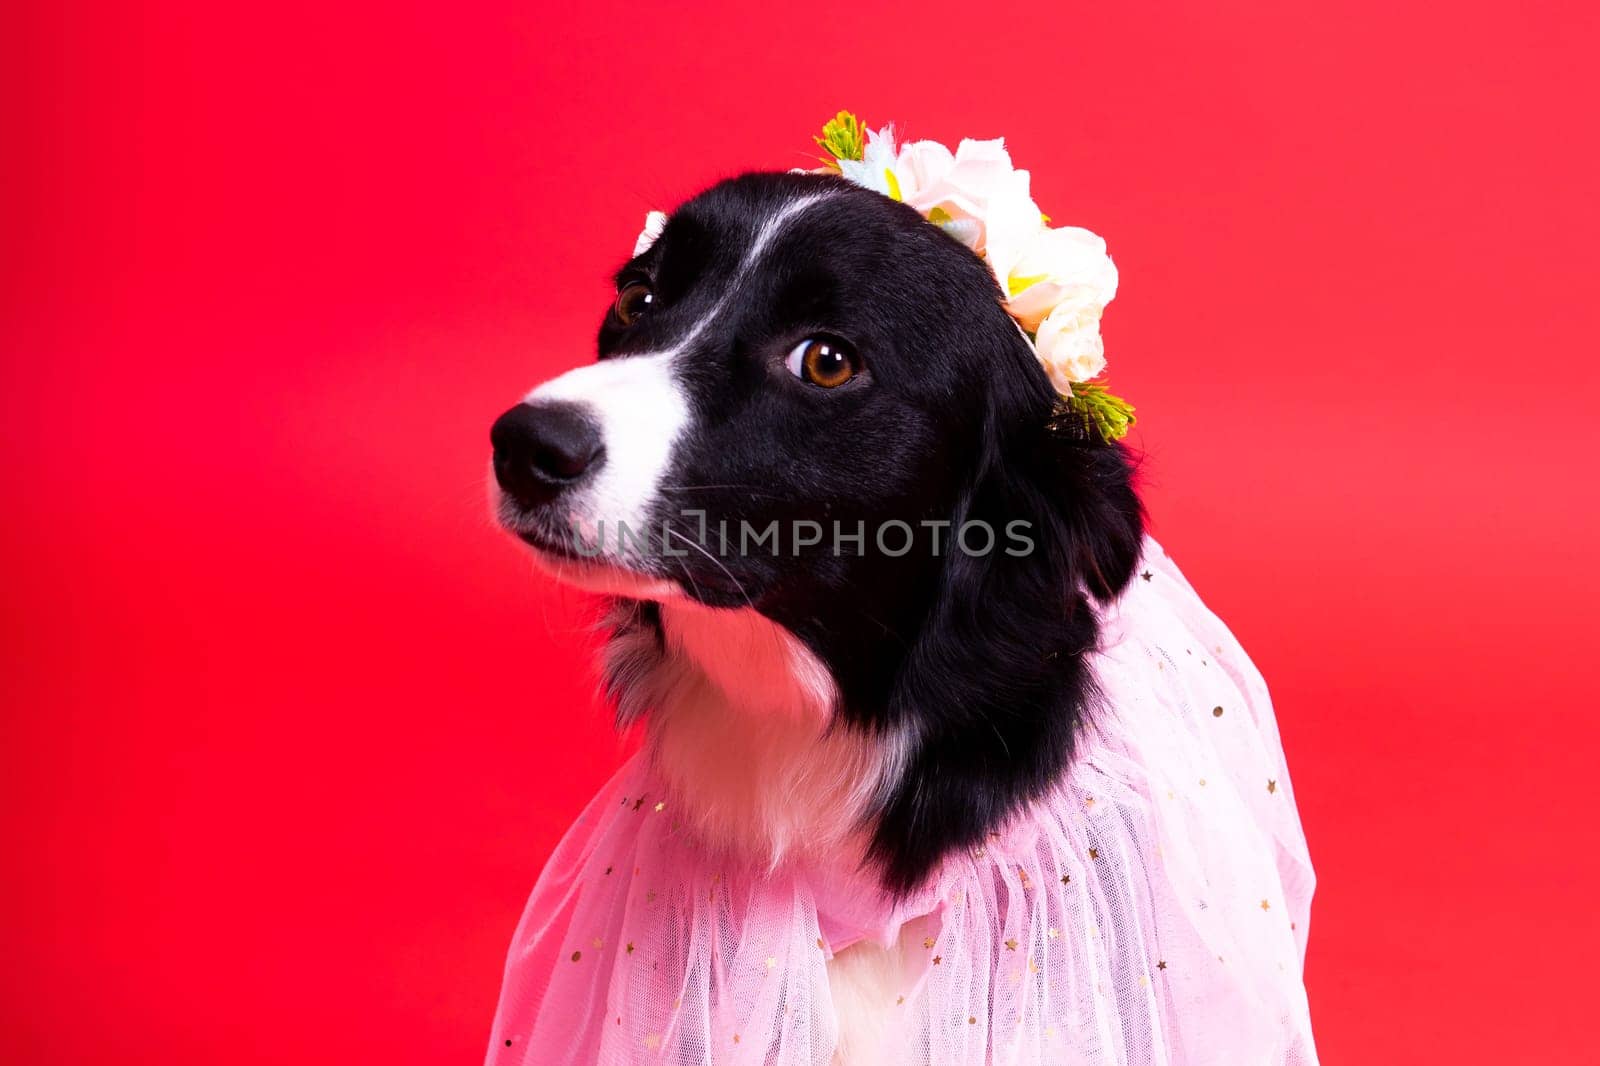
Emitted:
pixel 686 573
pixel 714 559
pixel 757 489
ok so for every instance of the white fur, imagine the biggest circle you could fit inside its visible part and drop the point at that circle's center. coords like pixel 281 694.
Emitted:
pixel 742 732
pixel 741 728
pixel 605 579
pixel 641 411
pixel 756 664
pixel 865 980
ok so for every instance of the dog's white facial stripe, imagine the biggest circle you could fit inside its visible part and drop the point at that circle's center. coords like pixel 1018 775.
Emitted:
pixel 643 411
pixel 747 263
pixel 772 226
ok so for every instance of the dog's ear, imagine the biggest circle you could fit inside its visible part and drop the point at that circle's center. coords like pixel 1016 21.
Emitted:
pixel 1103 518
pixel 996 684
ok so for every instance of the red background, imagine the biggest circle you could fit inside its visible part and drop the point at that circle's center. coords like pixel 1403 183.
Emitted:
pixel 288 729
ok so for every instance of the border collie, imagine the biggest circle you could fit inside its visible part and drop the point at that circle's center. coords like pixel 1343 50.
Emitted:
pixel 861 565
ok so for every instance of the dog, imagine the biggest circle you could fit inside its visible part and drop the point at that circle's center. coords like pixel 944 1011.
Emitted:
pixel 860 561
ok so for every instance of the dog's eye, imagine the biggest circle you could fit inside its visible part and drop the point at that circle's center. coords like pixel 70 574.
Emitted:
pixel 822 361
pixel 633 301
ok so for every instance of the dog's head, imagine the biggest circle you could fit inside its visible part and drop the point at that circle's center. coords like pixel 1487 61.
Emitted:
pixel 811 403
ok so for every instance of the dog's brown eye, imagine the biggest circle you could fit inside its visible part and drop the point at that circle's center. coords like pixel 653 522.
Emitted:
pixel 821 361
pixel 633 301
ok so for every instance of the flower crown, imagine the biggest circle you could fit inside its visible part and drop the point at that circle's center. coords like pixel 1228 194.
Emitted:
pixel 1057 281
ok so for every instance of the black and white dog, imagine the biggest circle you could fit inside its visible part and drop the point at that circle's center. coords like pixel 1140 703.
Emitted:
pixel 792 349
pixel 805 359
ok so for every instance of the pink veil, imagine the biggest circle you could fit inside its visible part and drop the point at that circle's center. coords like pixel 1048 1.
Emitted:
pixel 1153 908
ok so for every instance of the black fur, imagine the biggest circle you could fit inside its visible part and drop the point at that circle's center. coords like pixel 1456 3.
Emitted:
pixel 980 659
pixel 996 681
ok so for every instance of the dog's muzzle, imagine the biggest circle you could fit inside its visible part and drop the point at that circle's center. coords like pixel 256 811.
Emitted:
pixel 542 449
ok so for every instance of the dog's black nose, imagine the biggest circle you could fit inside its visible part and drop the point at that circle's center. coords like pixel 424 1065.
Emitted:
pixel 541 448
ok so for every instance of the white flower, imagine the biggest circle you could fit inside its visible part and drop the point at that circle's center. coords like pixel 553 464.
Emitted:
pixel 977 183
pixel 974 193
pixel 1057 282
pixel 876 169
pixel 654 223
pixel 919 165
pixel 1069 341
pixel 1052 264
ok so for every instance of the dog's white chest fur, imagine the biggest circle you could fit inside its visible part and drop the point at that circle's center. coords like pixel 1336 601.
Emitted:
pixel 741 731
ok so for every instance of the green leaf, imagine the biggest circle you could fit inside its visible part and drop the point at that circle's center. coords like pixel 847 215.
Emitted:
pixel 842 138
pixel 1098 411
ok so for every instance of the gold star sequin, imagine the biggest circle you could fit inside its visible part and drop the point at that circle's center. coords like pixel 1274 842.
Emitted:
pixel 1202 782
pixel 1094 853
pixel 899 1000
pixel 973 1020
pixel 1265 905
pixel 1066 879
pixel 771 962
pixel 735 1038
pixel 650 896
pixel 630 947
pixel 1033 967
pixel 597 943
pixel 653 1041
pixel 927 941
pixel 661 806
pixel 819 944
pixel 608 871
pixel 1011 944
pixel 937 959
pixel 1147 575
pixel 1162 965
pixel 1216 712
pixel 1088 802
pixel 1054 932
pixel 1272 785
pixel 638 803
pixel 576 955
